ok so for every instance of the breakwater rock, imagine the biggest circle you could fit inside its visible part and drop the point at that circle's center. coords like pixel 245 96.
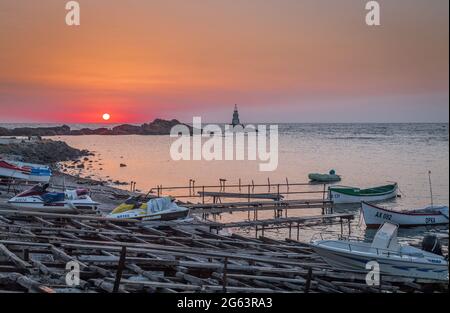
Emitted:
pixel 157 127
pixel 43 151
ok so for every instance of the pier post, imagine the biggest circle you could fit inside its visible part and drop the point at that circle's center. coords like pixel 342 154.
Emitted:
pixel 120 268
pixel 203 194
pixel 308 280
pixel 225 273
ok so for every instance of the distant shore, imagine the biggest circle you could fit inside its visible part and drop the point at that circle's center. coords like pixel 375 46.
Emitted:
pixel 157 127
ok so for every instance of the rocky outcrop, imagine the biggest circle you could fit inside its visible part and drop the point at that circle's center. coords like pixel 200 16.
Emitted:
pixel 43 152
pixel 157 127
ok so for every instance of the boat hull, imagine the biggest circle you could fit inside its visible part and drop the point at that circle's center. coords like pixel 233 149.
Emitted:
pixel 389 266
pixel 324 178
pixel 375 216
pixel 342 198
pixel 167 215
pixel 23 176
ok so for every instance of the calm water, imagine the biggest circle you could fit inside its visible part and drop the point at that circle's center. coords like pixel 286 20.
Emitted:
pixel 364 154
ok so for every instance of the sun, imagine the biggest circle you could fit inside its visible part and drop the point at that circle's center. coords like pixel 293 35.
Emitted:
pixel 106 116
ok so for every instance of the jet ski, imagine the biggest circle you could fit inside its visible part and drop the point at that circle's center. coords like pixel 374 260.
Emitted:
pixel 38 198
pixel 156 209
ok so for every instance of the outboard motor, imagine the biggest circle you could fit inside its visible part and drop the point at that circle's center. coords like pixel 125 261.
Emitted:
pixel 431 243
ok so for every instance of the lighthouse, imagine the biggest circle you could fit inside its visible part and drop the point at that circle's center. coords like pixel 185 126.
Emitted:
pixel 235 120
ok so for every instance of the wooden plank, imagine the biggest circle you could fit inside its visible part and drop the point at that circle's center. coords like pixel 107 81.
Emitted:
pixel 14 258
pixel 269 196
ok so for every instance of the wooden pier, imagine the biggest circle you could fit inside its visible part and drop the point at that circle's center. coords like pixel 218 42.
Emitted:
pixel 280 208
pixel 128 256
pixel 288 223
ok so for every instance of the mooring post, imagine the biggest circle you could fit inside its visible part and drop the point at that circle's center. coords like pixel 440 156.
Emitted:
pixel 120 268
pixel 203 194
pixel 225 273
pixel 298 231
pixel 308 280
pixel 379 286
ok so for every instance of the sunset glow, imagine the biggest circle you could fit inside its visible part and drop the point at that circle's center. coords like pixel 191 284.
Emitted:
pixel 312 60
pixel 106 117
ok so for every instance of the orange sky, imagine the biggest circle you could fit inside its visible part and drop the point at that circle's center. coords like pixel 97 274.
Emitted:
pixel 280 60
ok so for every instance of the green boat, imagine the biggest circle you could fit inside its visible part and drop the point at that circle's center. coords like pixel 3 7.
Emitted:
pixel 324 178
pixel 343 194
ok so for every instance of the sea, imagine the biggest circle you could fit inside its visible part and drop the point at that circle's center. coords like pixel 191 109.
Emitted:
pixel 365 155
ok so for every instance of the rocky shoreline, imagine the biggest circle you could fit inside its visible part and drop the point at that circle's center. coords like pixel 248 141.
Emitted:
pixel 41 151
pixel 157 127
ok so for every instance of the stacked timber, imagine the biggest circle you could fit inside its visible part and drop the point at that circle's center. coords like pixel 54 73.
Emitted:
pixel 127 256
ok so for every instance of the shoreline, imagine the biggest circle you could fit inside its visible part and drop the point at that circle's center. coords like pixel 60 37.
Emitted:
pixel 53 153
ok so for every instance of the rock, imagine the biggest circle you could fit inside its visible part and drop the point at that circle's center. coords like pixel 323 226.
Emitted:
pixel 117 182
pixel 43 152
pixel 122 165
pixel 157 127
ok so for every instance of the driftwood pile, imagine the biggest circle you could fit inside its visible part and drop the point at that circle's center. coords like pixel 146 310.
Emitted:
pixel 128 256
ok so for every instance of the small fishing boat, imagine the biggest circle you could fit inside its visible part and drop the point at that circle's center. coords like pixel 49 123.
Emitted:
pixel 375 215
pixel 38 198
pixel 324 178
pixel 157 209
pixel 25 171
pixel 393 258
pixel 344 194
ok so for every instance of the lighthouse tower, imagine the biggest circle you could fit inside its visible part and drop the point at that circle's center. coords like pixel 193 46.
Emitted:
pixel 235 120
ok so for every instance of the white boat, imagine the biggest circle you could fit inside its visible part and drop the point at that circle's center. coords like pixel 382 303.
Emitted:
pixel 25 171
pixel 39 199
pixel 157 209
pixel 393 258
pixel 345 194
pixel 374 216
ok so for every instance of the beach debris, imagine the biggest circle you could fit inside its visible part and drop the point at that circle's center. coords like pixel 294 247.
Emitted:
pixel 167 257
